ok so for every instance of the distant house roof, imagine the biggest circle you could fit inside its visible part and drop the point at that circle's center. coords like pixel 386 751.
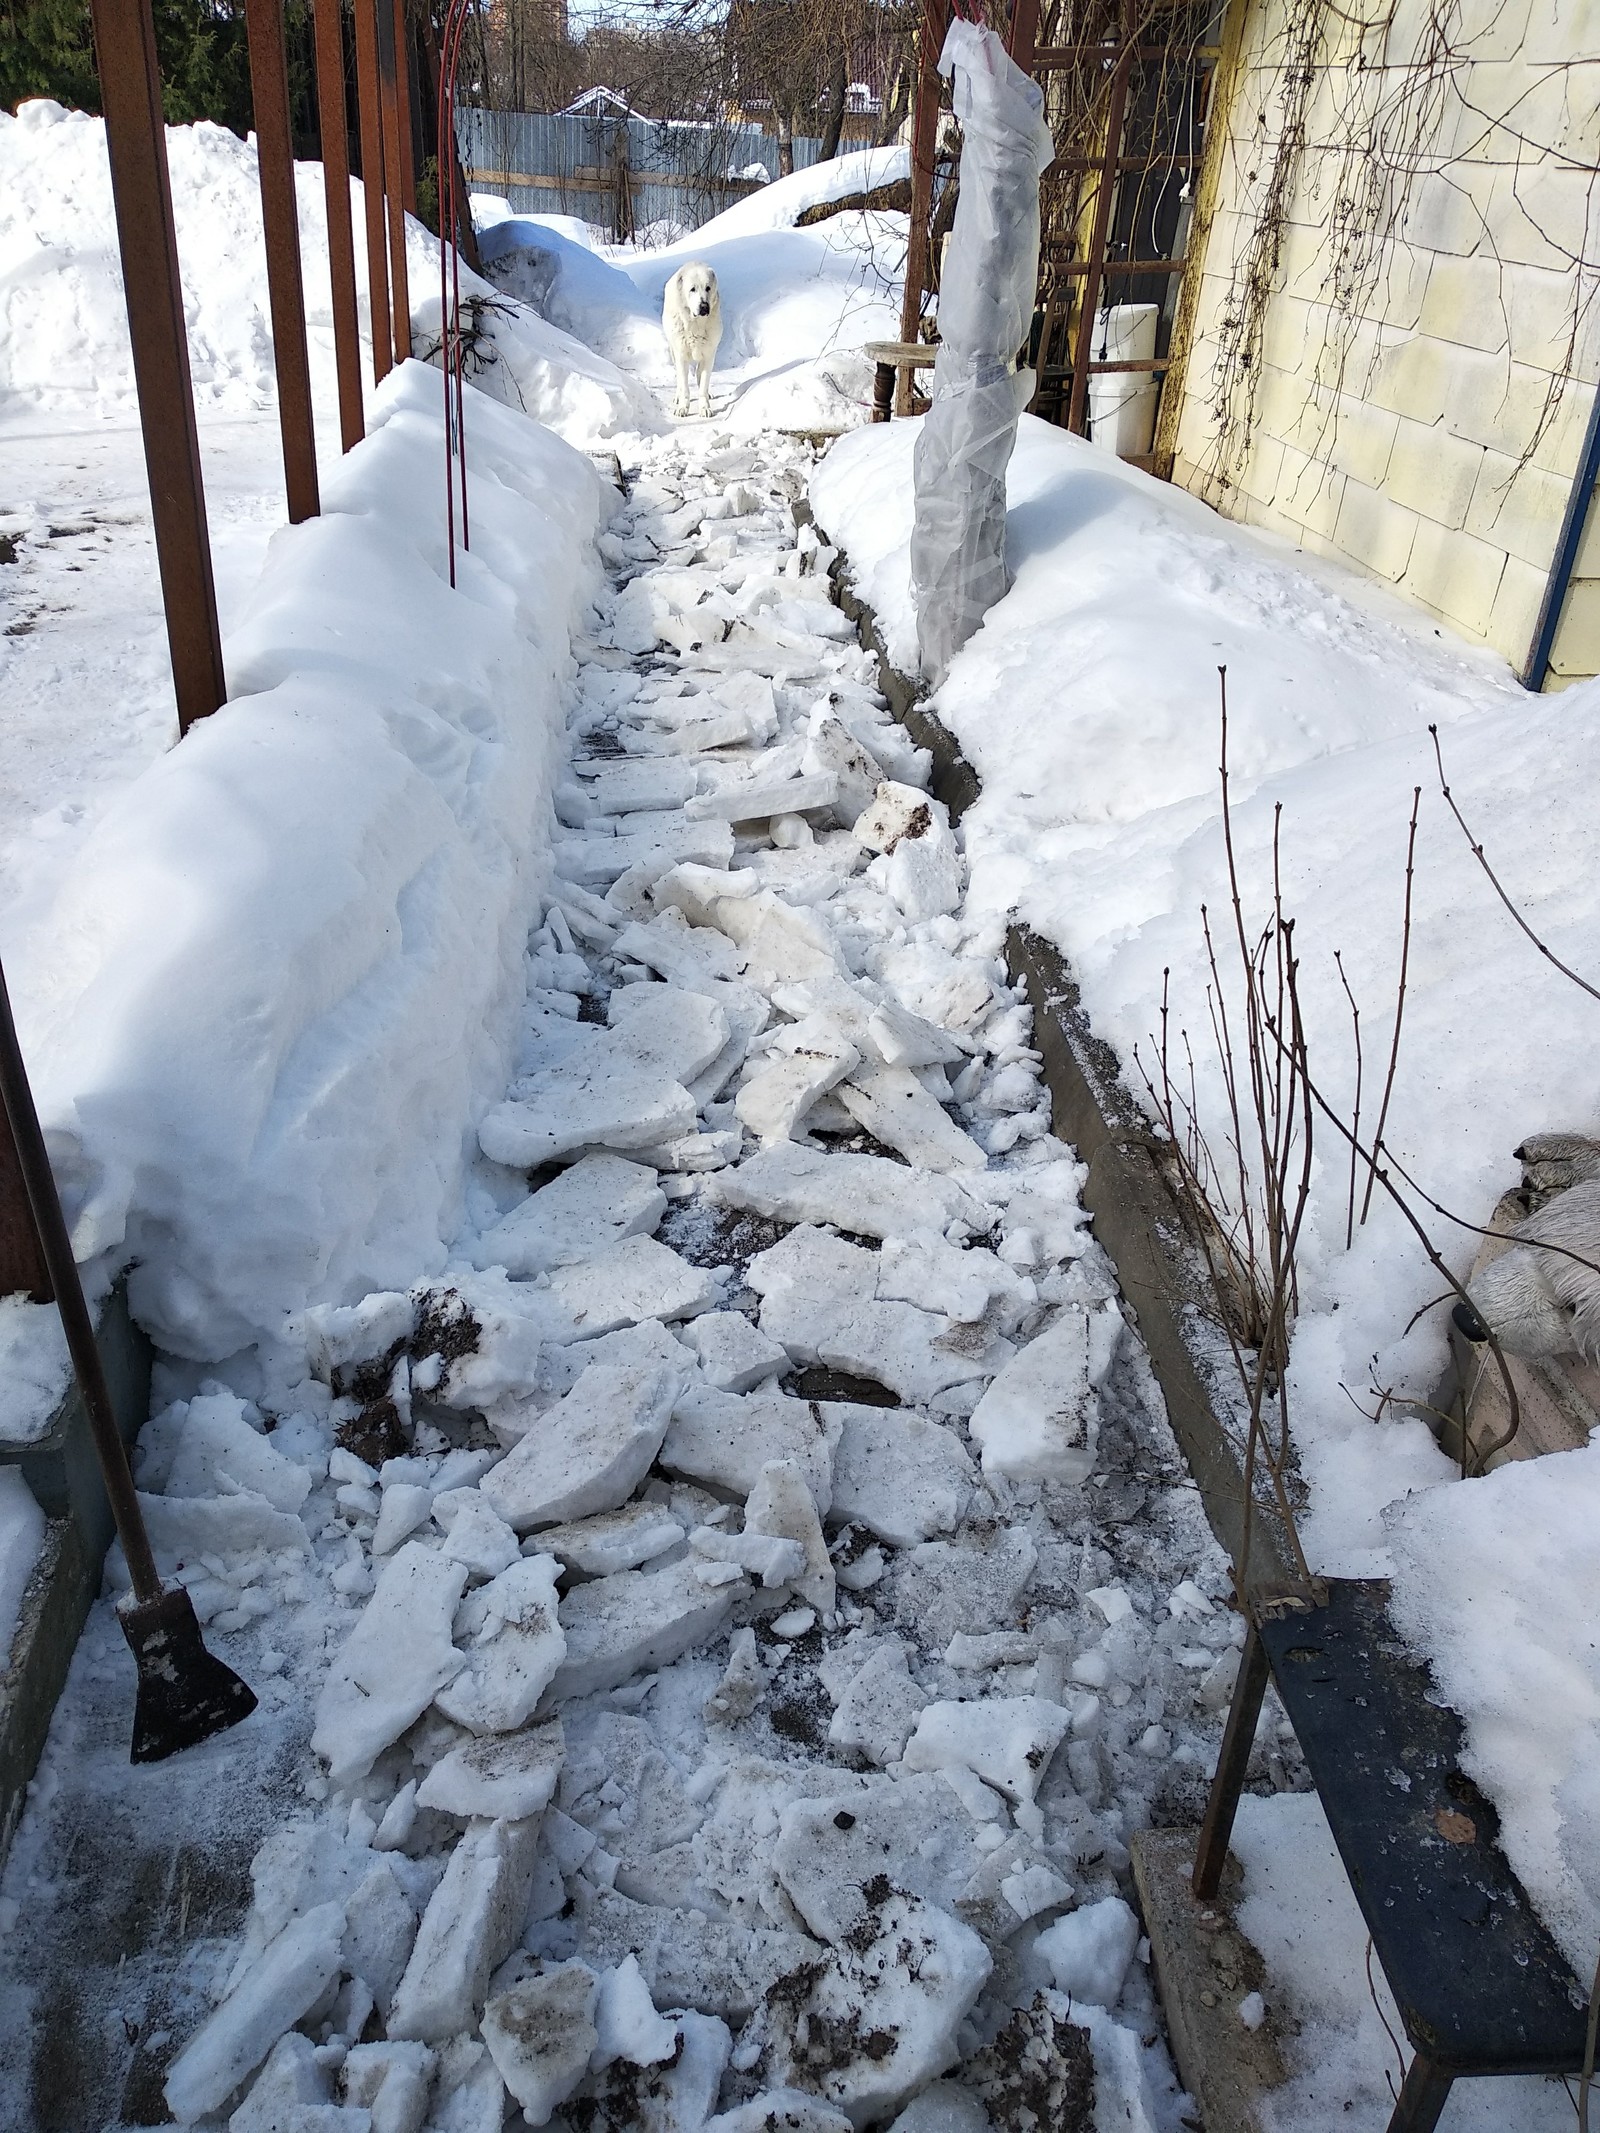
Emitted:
pixel 598 99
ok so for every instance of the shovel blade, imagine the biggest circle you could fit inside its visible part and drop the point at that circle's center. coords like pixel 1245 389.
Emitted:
pixel 185 1694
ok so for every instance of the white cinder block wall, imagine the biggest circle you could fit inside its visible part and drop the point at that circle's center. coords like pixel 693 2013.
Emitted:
pixel 1419 404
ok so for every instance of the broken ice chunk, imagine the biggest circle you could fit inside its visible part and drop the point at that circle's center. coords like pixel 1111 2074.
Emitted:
pixel 634 1280
pixel 866 1194
pixel 1032 1889
pixel 591 1450
pixel 626 2022
pixel 1005 1740
pixel 780 944
pixel 634 785
pixel 945 1586
pixel 468 2096
pixel 724 1439
pixel 406 1505
pixel 897 1110
pixel 599 1201
pixel 781 1503
pixel 819 1297
pixel 218 1453
pixel 668 1029
pixel 734 1354
pixel 516 1646
pixel 903 1476
pixel 293 2076
pixel 831 746
pixel 614 1540
pixel 1090 1950
pixel 286 1979
pixel 605 1101
pixel 620 1626
pixel 660 842
pixel 380 1927
pixel 780 2111
pixel 966 1285
pixel 879 2018
pixel 672 2097
pixel 541 2034
pixel 341 1336
pixel 391 2080
pixel 505 1777
pixel 774 1560
pixel 472 1921
pixel 943 2107
pixel 395 1661
pixel 716 1964
pixel 880 1706
pixel 779 1091
pixel 741 1686
pixel 1038 1420
pixel 475 1534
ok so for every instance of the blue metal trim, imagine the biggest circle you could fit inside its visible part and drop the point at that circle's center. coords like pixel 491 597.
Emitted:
pixel 1566 555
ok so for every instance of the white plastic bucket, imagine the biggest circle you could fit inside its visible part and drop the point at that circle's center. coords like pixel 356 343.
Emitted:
pixel 1122 403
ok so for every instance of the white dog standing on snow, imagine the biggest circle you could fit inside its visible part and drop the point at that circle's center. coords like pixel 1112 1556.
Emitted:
pixel 691 319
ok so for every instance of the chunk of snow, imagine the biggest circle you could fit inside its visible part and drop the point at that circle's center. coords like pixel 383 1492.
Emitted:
pixel 668 1029
pixel 1038 1420
pixel 1006 1740
pixel 724 1439
pixel 614 1540
pixel 866 1194
pixel 541 2035
pixel 502 1777
pixel 734 1354
pixel 620 1626
pixel 394 1662
pixel 219 1453
pixel 634 1280
pixel 392 2081
pixel 626 2023
pixel 516 1645
pixel 1090 1949
pixel 472 1920
pixel 475 1534
pixel 608 1102
pixel 590 1451
pixel 880 1706
pixel 599 1201
pixel 781 1503
pixel 287 1978
pixel 894 1107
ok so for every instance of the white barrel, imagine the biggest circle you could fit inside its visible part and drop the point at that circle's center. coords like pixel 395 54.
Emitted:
pixel 1122 403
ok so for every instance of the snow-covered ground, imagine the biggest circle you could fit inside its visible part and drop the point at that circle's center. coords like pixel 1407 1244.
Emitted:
pixel 638 1397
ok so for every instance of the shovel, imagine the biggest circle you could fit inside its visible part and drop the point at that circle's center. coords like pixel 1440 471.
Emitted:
pixel 185 1695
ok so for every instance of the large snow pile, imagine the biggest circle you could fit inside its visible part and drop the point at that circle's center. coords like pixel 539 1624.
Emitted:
pixel 300 933
pixel 1088 705
pixel 63 330
pixel 798 305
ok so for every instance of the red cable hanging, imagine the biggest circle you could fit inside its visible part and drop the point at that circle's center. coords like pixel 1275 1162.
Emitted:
pixel 450 339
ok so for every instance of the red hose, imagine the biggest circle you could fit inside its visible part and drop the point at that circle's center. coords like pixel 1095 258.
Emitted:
pixel 450 345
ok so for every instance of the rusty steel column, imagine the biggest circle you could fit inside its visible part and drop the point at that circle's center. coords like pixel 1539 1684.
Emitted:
pixel 402 83
pixel 389 104
pixel 334 128
pixel 136 140
pixel 22 1267
pixel 1024 37
pixel 924 141
pixel 371 112
pixel 1089 298
pixel 280 223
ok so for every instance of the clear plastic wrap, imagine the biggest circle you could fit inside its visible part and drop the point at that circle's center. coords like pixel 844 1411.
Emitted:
pixel 958 561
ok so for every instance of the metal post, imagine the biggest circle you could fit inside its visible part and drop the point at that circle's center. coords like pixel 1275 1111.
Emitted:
pixel 1024 33
pixel 1090 298
pixel 1238 1737
pixel 1569 541
pixel 22 1267
pixel 1422 2098
pixel 402 78
pixel 371 115
pixel 130 94
pixel 280 222
pixel 334 127
pixel 389 105
pixel 924 141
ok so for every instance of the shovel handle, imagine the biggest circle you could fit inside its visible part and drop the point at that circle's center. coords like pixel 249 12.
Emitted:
pixel 34 1161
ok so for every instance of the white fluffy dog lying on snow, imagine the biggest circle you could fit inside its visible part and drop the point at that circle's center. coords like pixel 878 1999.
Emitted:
pixel 691 319
pixel 1547 1302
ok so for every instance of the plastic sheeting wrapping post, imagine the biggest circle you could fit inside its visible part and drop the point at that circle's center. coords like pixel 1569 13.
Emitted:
pixel 958 564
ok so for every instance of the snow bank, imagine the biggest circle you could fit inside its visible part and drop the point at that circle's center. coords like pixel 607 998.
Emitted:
pixel 292 950
pixel 780 204
pixel 63 330
pixel 1088 704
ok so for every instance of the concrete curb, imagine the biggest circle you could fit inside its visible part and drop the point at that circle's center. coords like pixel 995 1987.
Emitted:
pixel 1136 1218
pixel 64 1476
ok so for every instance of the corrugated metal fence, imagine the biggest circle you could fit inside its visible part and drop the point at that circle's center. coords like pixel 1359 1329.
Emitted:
pixel 622 175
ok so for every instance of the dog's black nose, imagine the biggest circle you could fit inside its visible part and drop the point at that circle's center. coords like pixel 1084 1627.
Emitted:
pixel 1468 1322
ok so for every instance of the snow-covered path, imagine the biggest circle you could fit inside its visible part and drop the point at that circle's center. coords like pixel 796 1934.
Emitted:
pixel 757 1584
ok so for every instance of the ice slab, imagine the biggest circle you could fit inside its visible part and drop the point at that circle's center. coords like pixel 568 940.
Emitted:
pixel 781 1504
pixel 514 1646
pixel 965 1284
pixel 910 1828
pixel 599 1099
pixel 624 1625
pixel 674 2097
pixel 831 746
pixel 946 1586
pixel 1006 1740
pixel 685 955
pixel 636 785
pixel 287 1978
pixel 634 1533
pixel 724 1440
pixel 782 1088
pixel 903 1476
pixel 779 944
pixel 866 1194
pixel 734 1354
pixel 490 1332
pixel 219 1453
pixel 591 1450
pixel 472 1921
pixel 394 1662
pixel 392 2081
pixel 896 1109
pixel 819 1297
pixel 598 1202
pixel 878 2020
pixel 475 1534
pixel 904 1039
pixel 637 1279
pixel 880 1706
pixel 1039 1419
pixel 380 1929
pixel 540 2033
pixel 503 1777
pixel 669 1029
pixel 626 2022
pixel 758 797
pixel 690 1960
pixel 468 2094
pixel 661 841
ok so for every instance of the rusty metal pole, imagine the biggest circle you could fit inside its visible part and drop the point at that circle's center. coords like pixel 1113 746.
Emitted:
pixel 924 141
pixel 402 80
pixel 334 128
pixel 389 104
pixel 22 1267
pixel 136 140
pixel 1024 33
pixel 371 113
pixel 1089 299
pixel 280 223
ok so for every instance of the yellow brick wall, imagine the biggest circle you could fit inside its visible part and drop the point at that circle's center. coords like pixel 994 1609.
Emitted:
pixel 1416 405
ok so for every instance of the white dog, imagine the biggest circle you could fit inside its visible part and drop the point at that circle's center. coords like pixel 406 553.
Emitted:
pixel 691 319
